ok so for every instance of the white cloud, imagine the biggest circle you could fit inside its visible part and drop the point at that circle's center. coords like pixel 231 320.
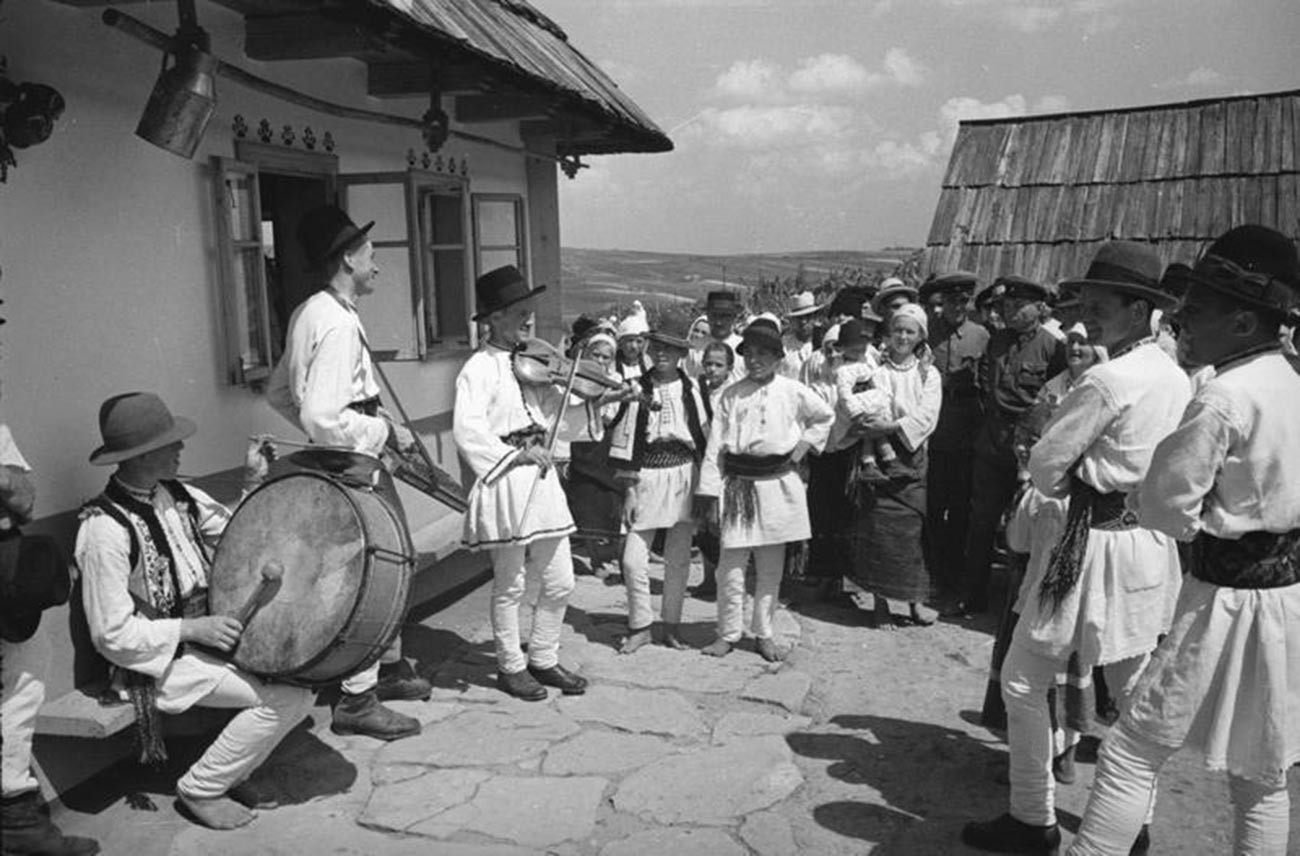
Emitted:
pixel 902 69
pixel 829 73
pixel 762 127
pixel 1035 16
pixel 747 79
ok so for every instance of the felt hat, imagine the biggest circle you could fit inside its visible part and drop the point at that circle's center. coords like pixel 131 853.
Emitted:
pixel 803 303
pixel 500 288
pixel 134 423
pixel 326 231
pixel 853 332
pixel 722 301
pixel 889 289
pixel 953 282
pixel 763 332
pixel 671 330
pixel 1018 287
pixel 1127 267
pixel 1252 265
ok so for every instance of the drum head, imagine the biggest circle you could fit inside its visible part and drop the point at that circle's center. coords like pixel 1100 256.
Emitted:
pixel 309 525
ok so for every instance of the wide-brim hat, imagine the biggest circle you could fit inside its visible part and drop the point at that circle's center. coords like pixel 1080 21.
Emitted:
pixel 722 301
pixel 1252 265
pixel 672 330
pixel 889 289
pixel 326 231
pixel 135 423
pixel 499 288
pixel 853 332
pixel 763 332
pixel 953 282
pixel 804 303
pixel 1129 268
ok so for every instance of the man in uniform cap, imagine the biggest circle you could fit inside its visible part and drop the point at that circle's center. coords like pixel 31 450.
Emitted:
pixel 325 384
pixel 958 345
pixel 1226 680
pixel 1107 592
pixel 1019 359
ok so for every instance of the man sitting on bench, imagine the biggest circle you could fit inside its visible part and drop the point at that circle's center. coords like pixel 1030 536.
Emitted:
pixel 144 549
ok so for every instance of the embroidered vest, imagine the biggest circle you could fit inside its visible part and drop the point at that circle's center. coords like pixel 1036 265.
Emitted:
pixel 693 424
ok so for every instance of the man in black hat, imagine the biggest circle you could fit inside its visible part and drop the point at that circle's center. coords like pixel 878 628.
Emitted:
pixel 517 509
pixel 1108 591
pixel 1224 681
pixel 722 308
pixel 325 384
pixel 958 344
pixel 1019 359
pixel 144 548
pixel 25 822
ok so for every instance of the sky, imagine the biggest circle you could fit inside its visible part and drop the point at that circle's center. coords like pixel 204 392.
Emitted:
pixel 827 124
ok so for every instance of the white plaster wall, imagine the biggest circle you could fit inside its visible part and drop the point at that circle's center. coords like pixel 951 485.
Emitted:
pixel 106 243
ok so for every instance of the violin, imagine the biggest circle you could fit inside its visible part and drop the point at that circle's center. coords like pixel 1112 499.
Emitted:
pixel 538 362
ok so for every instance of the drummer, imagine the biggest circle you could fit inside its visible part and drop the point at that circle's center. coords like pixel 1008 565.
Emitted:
pixel 144 548
pixel 517 510
pixel 325 384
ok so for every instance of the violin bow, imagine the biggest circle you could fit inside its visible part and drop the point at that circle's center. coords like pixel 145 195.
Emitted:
pixel 552 437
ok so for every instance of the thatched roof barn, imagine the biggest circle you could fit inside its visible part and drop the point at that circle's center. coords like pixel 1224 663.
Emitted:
pixel 1036 195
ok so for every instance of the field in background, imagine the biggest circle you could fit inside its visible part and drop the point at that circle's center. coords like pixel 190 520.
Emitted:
pixel 597 280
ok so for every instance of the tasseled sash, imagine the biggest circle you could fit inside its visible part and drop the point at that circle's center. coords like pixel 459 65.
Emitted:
pixel 739 494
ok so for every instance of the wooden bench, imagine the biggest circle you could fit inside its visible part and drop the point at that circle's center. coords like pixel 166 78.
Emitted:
pixel 80 713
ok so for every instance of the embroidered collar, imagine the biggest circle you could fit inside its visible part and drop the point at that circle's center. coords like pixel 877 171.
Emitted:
pixel 1242 357
pixel 1132 346
pixel 136 493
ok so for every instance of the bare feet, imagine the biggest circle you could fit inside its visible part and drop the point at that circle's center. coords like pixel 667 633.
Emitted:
pixel 884 618
pixel 216 812
pixel 717 648
pixel 672 639
pixel 635 639
pixel 768 651
pixel 923 615
pixel 252 795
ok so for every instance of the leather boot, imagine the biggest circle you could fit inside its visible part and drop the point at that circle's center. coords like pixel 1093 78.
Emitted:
pixel 27 830
pixel 1005 834
pixel 363 714
pixel 1063 767
pixel 399 682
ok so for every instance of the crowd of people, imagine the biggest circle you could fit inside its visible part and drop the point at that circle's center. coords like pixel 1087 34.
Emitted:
pixel 1129 431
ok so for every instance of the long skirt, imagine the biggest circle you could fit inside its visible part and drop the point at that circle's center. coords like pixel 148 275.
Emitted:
pixel 829 514
pixel 595 500
pixel 886 531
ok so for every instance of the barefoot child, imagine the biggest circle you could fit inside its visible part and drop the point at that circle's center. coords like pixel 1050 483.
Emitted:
pixel 656 449
pixel 763 426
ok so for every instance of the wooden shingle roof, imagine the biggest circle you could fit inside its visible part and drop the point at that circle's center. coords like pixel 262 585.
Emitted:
pixel 1037 195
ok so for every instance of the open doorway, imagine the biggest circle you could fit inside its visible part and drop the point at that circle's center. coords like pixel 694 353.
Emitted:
pixel 284 199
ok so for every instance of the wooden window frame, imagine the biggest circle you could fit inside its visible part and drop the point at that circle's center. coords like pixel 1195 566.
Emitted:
pixel 521 230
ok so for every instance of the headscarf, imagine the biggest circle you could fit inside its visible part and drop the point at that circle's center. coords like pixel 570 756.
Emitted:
pixel 915 313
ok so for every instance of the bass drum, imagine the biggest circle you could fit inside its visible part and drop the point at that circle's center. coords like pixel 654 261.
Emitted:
pixel 347 563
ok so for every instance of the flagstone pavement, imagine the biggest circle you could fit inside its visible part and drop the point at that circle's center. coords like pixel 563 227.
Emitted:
pixel 862 741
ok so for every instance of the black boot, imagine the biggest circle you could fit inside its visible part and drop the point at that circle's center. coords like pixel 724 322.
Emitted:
pixel 1005 834
pixel 399 682
pixel 363 714
pixel 28 830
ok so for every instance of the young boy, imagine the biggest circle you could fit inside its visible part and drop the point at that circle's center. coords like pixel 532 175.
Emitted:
pixel 716 365
pixel 763 426
pixel 860 397
pixel 517 509
pixel 656 449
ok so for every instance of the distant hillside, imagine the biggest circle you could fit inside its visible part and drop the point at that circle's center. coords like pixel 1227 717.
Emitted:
pixel 595 280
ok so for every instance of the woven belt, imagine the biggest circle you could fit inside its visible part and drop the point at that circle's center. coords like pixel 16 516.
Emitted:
pixel 1109 513
pixel 366 407
pixel 662 454
pixel 1256 560
pixel 754 467
pixel 526 438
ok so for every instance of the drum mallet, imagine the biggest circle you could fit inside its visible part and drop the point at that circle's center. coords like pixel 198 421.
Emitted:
pixel 272 573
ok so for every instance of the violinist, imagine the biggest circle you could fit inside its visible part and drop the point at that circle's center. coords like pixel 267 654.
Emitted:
pixel 517 508
pixel 656 450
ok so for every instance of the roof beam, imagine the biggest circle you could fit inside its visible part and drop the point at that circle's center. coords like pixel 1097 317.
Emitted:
pixel 306 35
pixel 498 108
pixel 404 79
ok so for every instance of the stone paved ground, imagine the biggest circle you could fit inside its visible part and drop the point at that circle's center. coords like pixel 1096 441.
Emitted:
pixel 862 741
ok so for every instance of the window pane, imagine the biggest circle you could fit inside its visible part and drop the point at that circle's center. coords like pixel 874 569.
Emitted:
pixel 239 204
pixel 383 203
pixel 497 224
pixel 248 309
pixel 450 301
pixel 387 312
pixel 493 259
pixel 448 222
